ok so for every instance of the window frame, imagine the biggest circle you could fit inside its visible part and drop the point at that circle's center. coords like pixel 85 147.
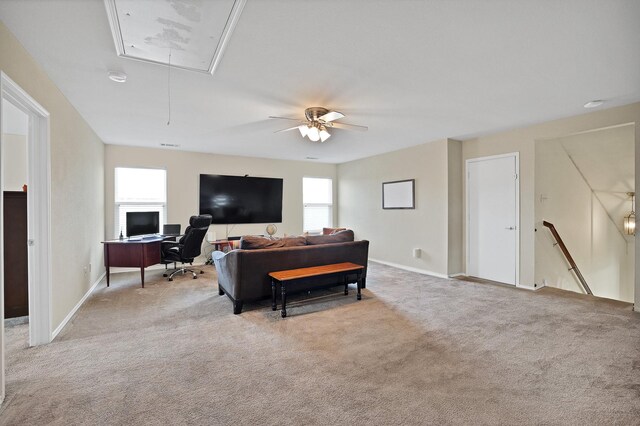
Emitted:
pixel 329 205
pixel 152 204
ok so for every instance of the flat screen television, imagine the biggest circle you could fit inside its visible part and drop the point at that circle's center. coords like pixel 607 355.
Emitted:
pixel 240 199
pixel 143 223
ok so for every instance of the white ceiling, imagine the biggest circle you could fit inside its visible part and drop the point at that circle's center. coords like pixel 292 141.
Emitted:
pixel 413 71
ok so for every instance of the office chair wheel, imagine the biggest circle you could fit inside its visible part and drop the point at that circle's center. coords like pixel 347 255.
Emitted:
pixel 195 276
pixel 170 279
pixel 202 272
pixel 165 275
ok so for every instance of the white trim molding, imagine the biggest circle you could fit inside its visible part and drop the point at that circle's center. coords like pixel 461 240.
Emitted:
pixel 78 305
pixel 411 269
pixel 39 207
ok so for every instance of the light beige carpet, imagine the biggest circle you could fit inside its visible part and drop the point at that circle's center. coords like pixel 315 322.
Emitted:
pixel 415 350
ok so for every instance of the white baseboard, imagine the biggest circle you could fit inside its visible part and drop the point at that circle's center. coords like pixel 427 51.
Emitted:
pixel 410 269
pixel 75 308
pixel 459 274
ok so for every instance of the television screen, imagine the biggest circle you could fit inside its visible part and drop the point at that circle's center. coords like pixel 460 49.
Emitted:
pixel 238 199
pixel 143 223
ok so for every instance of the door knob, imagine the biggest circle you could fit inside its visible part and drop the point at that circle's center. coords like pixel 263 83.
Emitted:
pixel 510 228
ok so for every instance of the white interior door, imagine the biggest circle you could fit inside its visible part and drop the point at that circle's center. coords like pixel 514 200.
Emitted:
pixel 492 218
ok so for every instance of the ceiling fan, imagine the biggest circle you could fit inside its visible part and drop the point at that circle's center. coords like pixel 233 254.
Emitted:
pixel 318 121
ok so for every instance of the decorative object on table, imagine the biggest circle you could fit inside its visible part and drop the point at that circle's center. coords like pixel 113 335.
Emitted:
pixel 121 236
pixel 399 194
pixel 630 219
pixel 317 122
pixel 271 229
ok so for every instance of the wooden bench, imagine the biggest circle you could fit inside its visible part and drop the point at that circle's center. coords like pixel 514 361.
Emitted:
pixel 283 277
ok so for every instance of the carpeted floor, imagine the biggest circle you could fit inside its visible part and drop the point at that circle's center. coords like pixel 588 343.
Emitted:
pixel 415 350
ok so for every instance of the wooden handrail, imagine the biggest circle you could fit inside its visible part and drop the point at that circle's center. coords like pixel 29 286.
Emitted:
pixel 566 253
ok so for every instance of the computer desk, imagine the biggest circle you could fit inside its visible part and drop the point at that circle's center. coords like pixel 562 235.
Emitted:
pixel 136 253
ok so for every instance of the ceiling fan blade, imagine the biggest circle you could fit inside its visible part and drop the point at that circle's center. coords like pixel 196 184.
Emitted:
pixel 287 118
pixel 286 130
pixel 346 126
pixel 330 116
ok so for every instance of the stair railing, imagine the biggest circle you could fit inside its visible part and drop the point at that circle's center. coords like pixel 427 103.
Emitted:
pixel 567 255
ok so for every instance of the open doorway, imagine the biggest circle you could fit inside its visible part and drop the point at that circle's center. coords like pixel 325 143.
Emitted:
pixel 15 128
pixel 38 217
pixel 583 186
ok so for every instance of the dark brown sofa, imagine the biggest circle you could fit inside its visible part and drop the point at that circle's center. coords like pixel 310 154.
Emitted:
pixel 243 274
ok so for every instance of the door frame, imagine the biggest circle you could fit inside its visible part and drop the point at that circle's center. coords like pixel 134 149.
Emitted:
pixel 516 156
pixel 38 219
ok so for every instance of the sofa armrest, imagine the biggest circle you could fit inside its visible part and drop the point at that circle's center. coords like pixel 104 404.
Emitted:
pixel 228 269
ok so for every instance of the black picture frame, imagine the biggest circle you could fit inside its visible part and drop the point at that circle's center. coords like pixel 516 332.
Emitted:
pixel 399 195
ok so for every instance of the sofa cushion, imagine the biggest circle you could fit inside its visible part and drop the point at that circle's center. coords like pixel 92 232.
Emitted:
pixel 338 237
pixel 250 242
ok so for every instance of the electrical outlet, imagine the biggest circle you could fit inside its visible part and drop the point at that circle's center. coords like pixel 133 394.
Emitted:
pixel 89 267
pixel 417 252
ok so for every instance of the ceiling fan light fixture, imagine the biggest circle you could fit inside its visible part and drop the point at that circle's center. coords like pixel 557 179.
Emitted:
pixel 304 130
pixel 313 134
pixel 324 135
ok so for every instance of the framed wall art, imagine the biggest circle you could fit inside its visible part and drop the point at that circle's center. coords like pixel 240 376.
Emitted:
pixel 399 194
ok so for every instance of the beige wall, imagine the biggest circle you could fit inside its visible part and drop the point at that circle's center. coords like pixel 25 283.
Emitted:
pixel 183 171
pixel 455 212
pixel 523 141
pixel 14 162
pixel 77 182
pixel 393 234
pixel 604 256
pixel 431 226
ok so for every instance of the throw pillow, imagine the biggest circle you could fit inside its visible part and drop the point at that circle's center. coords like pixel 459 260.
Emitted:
pixel 329 231
pixel 338 237
pixel 250 242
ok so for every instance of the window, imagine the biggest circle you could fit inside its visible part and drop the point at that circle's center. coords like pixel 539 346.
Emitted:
pixel 317 197
pixel 139 190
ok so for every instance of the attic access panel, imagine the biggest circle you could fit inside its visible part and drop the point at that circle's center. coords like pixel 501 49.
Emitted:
pixel 194 32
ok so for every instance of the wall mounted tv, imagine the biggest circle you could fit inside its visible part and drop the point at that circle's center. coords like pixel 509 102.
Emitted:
pixel 143 223
pixel 240 199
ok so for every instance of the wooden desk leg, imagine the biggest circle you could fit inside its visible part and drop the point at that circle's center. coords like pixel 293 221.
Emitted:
pixel 359 284
pixel 284 300
pixel 106 261
pixel 274 304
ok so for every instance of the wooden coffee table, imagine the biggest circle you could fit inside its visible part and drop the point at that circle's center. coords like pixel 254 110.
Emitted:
pixel 291 275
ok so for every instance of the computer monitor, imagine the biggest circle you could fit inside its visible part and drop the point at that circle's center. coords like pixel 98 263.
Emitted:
pixel 143 223
pixel 171 229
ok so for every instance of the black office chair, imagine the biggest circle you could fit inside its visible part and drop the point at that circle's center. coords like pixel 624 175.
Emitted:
pixel 188 247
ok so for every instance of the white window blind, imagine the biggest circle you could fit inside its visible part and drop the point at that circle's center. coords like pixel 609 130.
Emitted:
pixel 139 190
pixel 317 197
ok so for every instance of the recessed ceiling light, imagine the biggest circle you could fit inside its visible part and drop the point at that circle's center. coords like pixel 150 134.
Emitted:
pixel 594 104
pixel 117 76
